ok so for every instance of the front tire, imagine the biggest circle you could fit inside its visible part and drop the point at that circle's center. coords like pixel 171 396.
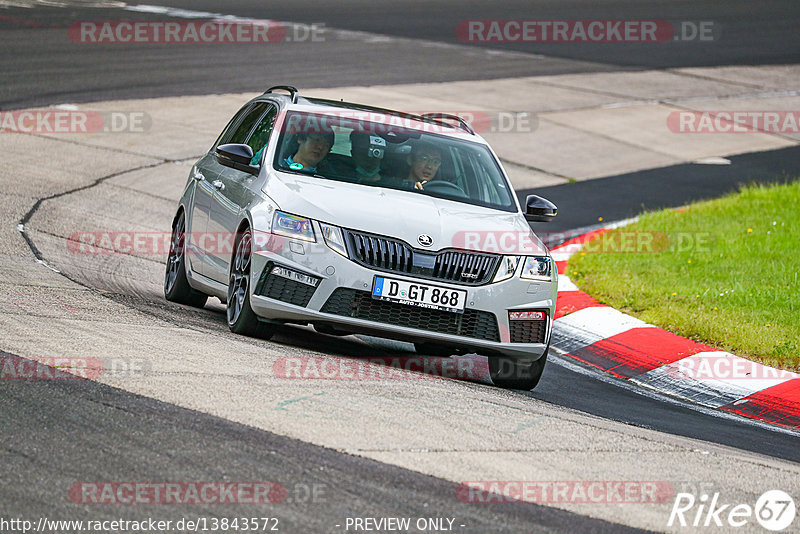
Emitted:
pixel 510 373
pixel 176 285
pixel 241 317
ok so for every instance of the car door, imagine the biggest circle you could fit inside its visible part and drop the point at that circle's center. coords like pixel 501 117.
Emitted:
pixel 204 174
pixel 197 244
pixel 235 191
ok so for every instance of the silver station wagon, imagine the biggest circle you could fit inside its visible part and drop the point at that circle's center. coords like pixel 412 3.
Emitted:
pixel 357 219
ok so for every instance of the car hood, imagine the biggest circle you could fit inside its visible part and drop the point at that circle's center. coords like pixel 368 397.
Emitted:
pixel 404 215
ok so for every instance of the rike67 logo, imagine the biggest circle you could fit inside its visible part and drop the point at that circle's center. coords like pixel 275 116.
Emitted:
pixel 774 510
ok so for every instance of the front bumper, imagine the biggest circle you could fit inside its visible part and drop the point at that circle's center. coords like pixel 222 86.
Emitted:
pixel 342 299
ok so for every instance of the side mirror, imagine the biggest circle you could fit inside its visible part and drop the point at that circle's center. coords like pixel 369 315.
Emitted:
pixel 236 156
pixel 538 209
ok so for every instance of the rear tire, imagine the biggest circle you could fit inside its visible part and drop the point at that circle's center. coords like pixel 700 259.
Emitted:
pixel 510 373
pixel 176 285
pixel 241 317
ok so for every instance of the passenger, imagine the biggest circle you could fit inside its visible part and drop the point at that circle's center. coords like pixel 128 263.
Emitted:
pixel 366 167
pixel 312 149
pixel 424 160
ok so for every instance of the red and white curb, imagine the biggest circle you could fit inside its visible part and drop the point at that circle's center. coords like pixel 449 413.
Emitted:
pixel 630 349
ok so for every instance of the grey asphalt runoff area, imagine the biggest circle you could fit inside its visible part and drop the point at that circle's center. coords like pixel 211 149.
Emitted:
pixel 107 434
pixel 204 404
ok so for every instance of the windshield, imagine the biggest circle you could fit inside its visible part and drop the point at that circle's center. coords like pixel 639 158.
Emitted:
pixel 386 152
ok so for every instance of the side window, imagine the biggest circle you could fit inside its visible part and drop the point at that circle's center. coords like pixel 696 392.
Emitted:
pixel 458 168
pixel 229 129
pixel 263 130
pixel 242 132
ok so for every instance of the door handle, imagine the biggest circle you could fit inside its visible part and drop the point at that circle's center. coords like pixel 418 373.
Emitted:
pixel 197 175
pixel 218 184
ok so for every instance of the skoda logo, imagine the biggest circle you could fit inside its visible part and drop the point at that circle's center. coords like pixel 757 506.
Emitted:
pixel 425 240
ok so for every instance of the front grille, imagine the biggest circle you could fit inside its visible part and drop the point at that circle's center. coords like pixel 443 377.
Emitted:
pixel 464 267
pixel 395 256
pixel 360 304
pixel 381 252
pixel 280 288
pixel 527 331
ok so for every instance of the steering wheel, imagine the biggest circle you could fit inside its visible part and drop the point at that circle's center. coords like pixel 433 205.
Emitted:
pixel 444 187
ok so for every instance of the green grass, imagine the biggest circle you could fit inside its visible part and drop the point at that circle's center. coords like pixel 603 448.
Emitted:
pixel 722 272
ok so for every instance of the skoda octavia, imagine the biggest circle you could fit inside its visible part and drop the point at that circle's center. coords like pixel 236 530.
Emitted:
pixel 357 219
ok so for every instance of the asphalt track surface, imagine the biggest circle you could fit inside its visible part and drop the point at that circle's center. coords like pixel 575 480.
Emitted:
pixel 746 33
pixel 114 435
pixel 109 434
pixel 626 195
pixel 41 65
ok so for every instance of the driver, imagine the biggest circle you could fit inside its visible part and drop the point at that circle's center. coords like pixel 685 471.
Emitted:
pixel 424 160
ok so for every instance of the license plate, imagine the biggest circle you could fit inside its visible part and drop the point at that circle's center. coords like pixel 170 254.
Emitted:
pixel 420 295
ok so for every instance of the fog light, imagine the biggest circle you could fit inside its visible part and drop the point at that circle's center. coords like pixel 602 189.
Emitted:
pixel 295 276
pixel 526 316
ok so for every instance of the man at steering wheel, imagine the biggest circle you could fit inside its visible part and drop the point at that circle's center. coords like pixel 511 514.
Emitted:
pixel 424 162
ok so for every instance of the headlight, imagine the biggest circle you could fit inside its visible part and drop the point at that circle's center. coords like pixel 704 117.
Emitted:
pixel 508 266
pixel 333 238
pixel 292 226
pixel 537 268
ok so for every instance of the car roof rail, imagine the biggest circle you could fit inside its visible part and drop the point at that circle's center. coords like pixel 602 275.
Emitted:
pixel 292 91
pixel 447 116
pixel 427 117
pixel 364 107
